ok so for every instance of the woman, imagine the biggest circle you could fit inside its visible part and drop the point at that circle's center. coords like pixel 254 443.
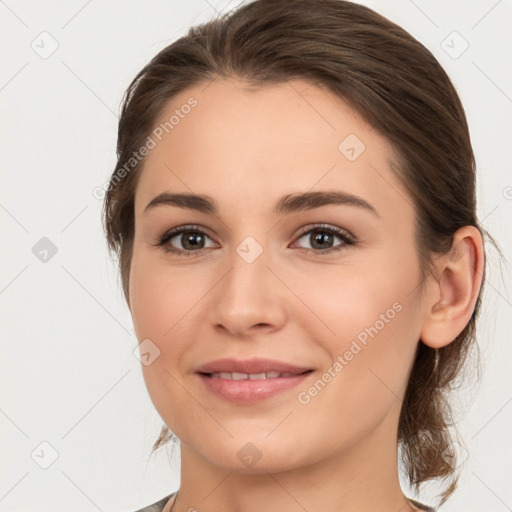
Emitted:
pixel 294 212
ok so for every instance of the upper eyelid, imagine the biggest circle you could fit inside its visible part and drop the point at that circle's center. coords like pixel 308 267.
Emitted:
pixel 323 225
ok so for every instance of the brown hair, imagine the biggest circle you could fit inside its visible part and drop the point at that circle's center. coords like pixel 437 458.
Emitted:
pixel 398 87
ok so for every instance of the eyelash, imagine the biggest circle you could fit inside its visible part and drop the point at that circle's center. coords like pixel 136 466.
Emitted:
pixel 348 240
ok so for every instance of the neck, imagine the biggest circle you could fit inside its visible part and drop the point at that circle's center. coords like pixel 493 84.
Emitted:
pixel 361 477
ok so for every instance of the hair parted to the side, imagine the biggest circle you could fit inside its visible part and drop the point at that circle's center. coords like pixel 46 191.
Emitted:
pixel 399 88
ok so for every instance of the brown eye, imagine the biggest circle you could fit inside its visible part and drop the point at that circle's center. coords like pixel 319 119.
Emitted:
pixel 322 239
pixel 191 238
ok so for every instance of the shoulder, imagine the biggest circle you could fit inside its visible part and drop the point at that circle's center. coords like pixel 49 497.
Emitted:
pixel 158 505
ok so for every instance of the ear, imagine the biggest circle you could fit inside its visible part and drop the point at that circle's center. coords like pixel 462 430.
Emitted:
pixel 451 298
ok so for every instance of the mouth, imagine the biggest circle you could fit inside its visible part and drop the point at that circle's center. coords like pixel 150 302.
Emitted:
pixel 252 381
pixel 244 368
pixel 252 376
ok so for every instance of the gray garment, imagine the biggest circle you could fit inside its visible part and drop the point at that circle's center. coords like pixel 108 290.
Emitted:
pixel 421 506
pixel 159 505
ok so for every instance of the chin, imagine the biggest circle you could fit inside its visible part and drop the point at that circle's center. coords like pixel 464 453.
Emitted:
pixel 253 455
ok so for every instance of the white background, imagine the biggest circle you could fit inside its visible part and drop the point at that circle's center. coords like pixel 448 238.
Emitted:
pixel 68 375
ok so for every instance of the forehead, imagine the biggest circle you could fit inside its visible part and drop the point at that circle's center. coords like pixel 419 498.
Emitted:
pixel 246 144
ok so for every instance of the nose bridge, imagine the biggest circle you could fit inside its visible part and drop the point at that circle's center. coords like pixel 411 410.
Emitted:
pixel 249 263
pixel 248 294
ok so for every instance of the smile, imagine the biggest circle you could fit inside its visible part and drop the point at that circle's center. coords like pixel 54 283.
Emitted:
pixel 250 376
pixel 251 388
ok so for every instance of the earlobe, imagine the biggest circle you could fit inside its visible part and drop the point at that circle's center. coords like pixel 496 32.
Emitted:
pixel 451 298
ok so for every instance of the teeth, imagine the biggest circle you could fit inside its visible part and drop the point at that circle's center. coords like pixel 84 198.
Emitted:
pixel 254 376
pixel 250 376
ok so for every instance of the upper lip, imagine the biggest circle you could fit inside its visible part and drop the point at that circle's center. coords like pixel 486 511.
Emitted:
pixel 256 365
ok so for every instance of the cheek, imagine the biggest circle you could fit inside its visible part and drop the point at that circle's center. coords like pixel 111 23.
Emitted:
pixel 367 361
pixel 160 299
pixel 346 302
pixel 162 304
pixel 367 320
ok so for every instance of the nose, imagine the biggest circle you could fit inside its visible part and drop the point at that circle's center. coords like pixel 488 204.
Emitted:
pixel 249 297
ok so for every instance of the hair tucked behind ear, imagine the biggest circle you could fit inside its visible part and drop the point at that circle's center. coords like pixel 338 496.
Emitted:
pixel 398 87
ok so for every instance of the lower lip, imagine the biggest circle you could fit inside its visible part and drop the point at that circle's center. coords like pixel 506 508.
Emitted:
pixel 251 391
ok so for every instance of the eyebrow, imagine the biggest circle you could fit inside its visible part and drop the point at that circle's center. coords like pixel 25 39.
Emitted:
pixel 287 204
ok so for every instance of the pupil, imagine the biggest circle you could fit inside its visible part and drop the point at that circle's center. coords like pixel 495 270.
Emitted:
pixel 195 238
pixel 321 238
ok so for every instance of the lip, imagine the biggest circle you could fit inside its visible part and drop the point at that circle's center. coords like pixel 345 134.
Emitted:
pixel 255 365
pixel 251 391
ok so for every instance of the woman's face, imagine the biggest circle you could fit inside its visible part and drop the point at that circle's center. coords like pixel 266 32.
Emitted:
pixel 254 283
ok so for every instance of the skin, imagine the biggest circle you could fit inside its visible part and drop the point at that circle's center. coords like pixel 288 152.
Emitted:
pixel 247 147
